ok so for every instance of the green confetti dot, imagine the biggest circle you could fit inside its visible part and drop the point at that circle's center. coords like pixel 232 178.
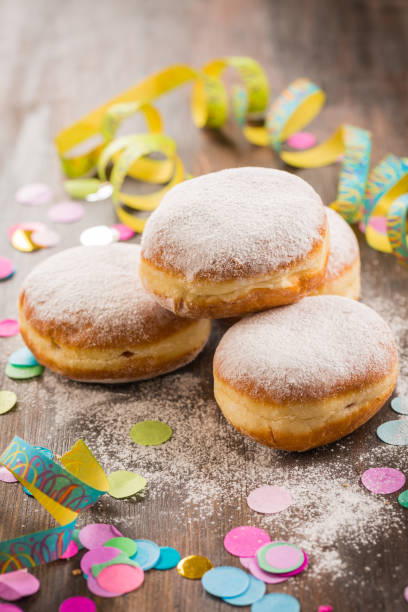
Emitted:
pixel 126 545
pixel 18 373
pixel 124 484
pixel 403 499
pixel 119 560
pixel 8 400
pixel 150 433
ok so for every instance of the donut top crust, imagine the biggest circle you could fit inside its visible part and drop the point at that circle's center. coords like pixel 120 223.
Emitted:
pixel 344 249
pixel 235 223
pixel 92 297
pixel 316 348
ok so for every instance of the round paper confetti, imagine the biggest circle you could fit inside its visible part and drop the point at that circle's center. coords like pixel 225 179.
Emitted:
pixel 8 400
pixel 403 499
pixel 77 604
pixel 406 593
pixel 120 578
pixel 267 577
pixel 280 557
pixel 8 328
pixel 269 499
pixel 147 554
pixel 126 545
pixel 96 534
pixel 23 357
pixel 150 433
pixel 21 240
pixel 96 236
pixel 325 609
pixel 6 476
pixel 125 484
pixel 245 541
pixel 66 212
pixel 104 191
pixel 97 556
pixel 18 584
pixel 94 587
pixel 45 238
pixel 301 140
pixel 246 561
pixel 194 566
pixel 255 591
pixel 276 602
pixel 71 551
pixel 225 581
pixel 394 432
pixel 125 233
pixel 23 373
pixel 34 194
pixel 400 405
pixel 383 480
pixel 169 558
pixel 121 559
pixel 31 226
pixel 6 268
pixel 296 571
pixel 7 607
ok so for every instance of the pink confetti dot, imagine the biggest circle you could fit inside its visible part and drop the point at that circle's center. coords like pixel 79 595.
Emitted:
pixel 71 550
pixel 406 593
pixel 6 607
pixel 301 140
pixel 284 557
pixel 77 604
pixel 6 268
pixel 30 226
pixel 45 238
pixel 94 587
pixel 66 212
pixel 244 541
pixel 383 480
pixel 257 572
pixel 246 561
pixel 8 328
pixel 7 476
pixel 125 233
pixel 269 499
pixel 298 570
pixel 34 194
pixel 325 609
pixel 15 585
pixel 100 554
pixel 120 578
pixel 96 534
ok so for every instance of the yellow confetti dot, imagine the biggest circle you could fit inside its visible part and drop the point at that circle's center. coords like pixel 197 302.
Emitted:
pixel 194 566
pixel 21 240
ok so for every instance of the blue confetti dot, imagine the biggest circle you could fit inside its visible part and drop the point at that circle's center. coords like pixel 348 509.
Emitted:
pixel 22 358
pixel 276 602
pixel 147 554
pixel 400 405
pixel 169 558
pixel 255 591
pixel 394 432
pixel 225 581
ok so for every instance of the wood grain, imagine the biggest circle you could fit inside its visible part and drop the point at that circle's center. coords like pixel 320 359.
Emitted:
pixel 61 59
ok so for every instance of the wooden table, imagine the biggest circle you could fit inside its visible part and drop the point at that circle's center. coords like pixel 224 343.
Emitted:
pixel 60 60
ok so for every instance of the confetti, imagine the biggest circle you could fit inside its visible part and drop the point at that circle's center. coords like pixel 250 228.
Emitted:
pixel 104 191
pixel 94 587
pixel 23 357
pixel 169 558
pixel 77 604
pixel 8 400
pixel 96 534
pixel 7 607
pixel 194 566
pixel 301 140
pixel 246 561
pixel 150 433
pixel 49 454
pixel 71 550
pixel 45 238
pixel 406 593
pixel 23 373
pixel 383 480
pixel 98 555
pixel 121 559
pixel 31 226
pixel 125 484
pixel 125 233
pixel 280 557
pixel 394 432
pixel 15 585
pixel 400 405
pixel 8 328
pixel 257 572
pixel 66 212
pixel 276 602
pixel 298 570
pixel 6 476
pixel 6 268
pixel 255 591
pixel 403 499
pixel 245 541
pixel 147 554
pixel 269 499
pixel 34 194
pixel 121 578
pixel 21 240
pixel 325 609
pixel 98 235
pixel 91 189
pixel 225 581
pixel 126 545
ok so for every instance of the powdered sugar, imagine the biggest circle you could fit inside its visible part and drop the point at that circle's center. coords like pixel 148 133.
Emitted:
pixel 343 245
pixel 235 223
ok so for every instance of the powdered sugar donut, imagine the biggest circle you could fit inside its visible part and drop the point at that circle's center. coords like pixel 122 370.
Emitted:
pixel 307 374
pixel 236 241
pixel 342 275
pixel 84 314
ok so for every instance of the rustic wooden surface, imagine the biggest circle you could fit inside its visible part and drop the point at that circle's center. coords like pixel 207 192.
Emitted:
pixel 59 60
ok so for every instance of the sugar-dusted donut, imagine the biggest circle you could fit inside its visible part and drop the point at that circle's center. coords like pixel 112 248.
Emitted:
pixel 84 314
pixel 236 241
pixel 307 374
pixel 342 275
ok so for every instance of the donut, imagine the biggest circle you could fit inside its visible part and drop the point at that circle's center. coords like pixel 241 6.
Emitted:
pixel 307 374
pixel 342 275
pixel 85 314
pixel 236 241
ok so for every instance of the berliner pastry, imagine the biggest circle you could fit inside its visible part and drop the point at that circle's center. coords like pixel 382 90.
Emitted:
pixel 84 314
pixel 236 241
pixel 307 374
pixel 342 275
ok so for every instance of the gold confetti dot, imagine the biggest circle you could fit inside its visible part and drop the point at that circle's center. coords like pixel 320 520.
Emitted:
pixel 76 572
pixel 194 566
